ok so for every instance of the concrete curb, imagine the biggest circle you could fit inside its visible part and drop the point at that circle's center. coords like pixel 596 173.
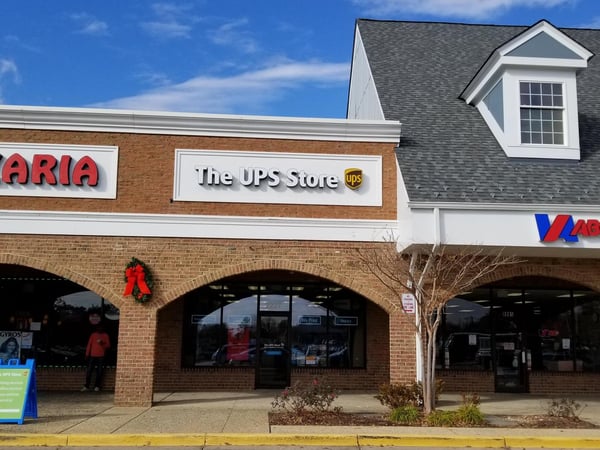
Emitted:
pixel 333 440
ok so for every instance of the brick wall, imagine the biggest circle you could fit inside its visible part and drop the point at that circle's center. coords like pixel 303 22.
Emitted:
pixel 562 383
pixel 467 381
pixel 181 265
pixel 146 167
pixel 69 378
pixel 552 383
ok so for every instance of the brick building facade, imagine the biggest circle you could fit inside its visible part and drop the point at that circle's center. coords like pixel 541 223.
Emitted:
pixel 149 357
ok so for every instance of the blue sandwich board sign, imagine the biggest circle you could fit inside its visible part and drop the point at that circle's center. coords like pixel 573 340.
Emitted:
pixel 18 393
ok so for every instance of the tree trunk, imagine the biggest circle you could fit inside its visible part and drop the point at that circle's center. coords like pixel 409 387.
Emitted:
pixel 428 376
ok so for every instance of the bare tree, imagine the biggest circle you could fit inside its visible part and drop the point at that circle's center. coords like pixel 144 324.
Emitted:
pixel 433 275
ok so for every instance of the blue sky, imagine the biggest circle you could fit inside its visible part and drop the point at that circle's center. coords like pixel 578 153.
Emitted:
pixel 255 57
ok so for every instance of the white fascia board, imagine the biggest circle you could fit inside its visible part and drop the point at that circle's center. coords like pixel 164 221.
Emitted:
pixel 509 226
pixel 192 226
pixel 504 206
pixel 542 152
pixel 544 26
pixel 547 63
pixel 485 77
pixel 189 124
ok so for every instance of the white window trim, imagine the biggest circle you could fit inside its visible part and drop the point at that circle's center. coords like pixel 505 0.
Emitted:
pixel 510 137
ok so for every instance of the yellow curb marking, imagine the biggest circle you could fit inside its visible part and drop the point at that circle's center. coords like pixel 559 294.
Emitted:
pixel 222 439
pixel 137 440
pixel 341 440
pixel 33 440
pixel 430 441
pixel 553 442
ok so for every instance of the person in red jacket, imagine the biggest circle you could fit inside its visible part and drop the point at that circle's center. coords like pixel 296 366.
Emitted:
pixel 95 351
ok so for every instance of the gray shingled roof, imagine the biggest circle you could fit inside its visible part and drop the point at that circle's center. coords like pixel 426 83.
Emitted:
pixel 447 153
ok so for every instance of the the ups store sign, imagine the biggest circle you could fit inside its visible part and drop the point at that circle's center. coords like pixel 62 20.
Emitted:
pixel 269 177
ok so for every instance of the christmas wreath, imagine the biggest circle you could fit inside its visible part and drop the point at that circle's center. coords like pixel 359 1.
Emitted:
pixel 139 281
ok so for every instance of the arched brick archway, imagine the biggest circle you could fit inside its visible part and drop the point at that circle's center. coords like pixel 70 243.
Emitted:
pixel 362 284
pixel 562 272
pixel 536 277
pixel 65 272
pixel 168 371
pixel 53 295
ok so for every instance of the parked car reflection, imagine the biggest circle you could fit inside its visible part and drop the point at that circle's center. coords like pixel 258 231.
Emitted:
pixel 233 354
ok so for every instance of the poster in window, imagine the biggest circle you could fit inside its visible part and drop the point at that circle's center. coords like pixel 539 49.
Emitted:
pixel 238 342
pixel 10 346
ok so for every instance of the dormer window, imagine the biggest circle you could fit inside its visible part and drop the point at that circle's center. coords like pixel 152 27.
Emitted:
pixel 527 93
pixel 541 113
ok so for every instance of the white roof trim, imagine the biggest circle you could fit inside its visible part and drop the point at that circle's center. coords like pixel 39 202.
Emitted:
pixel 192 124
pixel 505 207
pixel 546 27
pixel 493 67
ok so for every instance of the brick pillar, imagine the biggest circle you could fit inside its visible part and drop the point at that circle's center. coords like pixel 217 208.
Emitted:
pixel 403 367
pixel 135 358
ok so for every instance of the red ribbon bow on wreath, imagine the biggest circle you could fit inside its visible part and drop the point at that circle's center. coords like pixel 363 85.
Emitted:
pixel 138 281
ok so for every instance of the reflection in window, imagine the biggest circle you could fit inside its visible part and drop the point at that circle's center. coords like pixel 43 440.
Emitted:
pixel 465 338
pixel 558 328
pixel 53 317
pixel 327 324
pixel 587 329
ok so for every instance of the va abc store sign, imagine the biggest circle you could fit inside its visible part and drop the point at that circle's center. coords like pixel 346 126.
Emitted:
pixel 276 177
pixel 58 170
pixel 564 227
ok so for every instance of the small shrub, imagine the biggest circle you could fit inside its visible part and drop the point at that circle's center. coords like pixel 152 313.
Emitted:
pixel 302 397
pixel 406 415
pixel 469 415
pixel 564 407
pixel 440 418
pixel 396 395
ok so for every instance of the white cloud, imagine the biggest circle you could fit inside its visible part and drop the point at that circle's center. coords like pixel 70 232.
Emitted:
pixel 88 24
pixel 474 9
pixel 8 70
pixel 171 21
pixel 167 29
pixel 231 34
pixel 151 78
pixel 14 41
pixel 249 91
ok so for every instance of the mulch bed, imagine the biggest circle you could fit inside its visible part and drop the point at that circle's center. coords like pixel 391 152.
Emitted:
pixel 332 418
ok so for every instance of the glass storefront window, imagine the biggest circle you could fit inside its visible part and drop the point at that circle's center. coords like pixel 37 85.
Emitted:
pixel 587 329
pixel 327 327
pixel 547 324
pixel 53 317
pixel 465 336
pixel 557 329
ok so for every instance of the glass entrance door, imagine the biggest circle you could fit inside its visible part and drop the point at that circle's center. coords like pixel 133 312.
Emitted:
pixel 511 358
pixel 273 365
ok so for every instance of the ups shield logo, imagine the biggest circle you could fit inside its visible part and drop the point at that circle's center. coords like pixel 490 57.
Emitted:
pixel 353 178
